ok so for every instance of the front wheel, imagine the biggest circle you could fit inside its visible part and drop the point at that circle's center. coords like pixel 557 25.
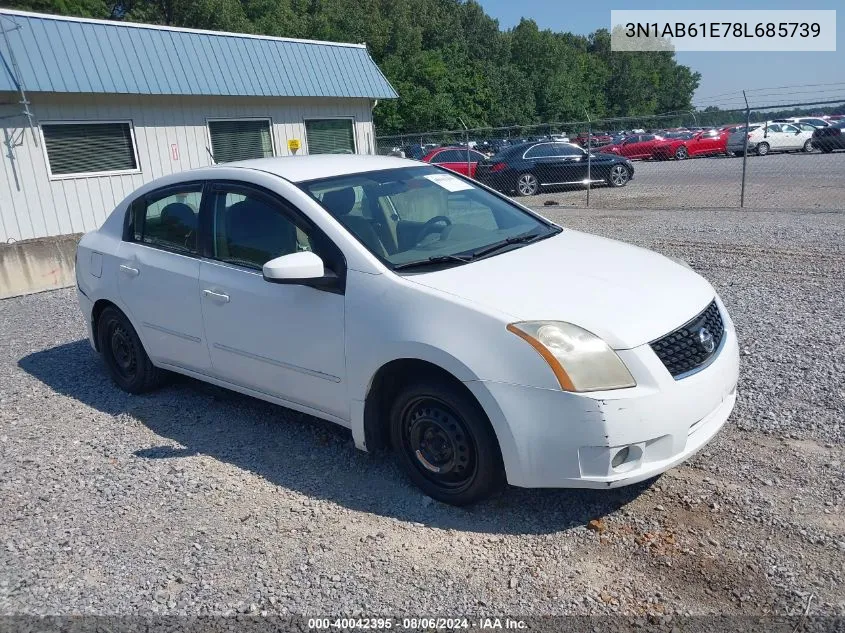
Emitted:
pixel 681 153
pixel 124 355
pixel 527 185
pixel 619 176
pixel 762 149
pixel 445 443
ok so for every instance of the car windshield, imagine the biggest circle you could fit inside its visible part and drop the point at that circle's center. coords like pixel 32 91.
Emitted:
pixel 424 216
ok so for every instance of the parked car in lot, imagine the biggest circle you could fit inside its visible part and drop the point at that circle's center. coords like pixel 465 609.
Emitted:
pixel 706 143
pixel 527 169
pixel 634 146
pixel 814 121
pixel 414 307
pixel 830 138
pixel 457 159
pixel 772 137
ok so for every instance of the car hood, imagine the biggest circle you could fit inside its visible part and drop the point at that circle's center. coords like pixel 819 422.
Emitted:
pixel 625 294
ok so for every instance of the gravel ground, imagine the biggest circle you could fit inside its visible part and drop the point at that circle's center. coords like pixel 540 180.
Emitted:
pixel 198 500
pixel 783 181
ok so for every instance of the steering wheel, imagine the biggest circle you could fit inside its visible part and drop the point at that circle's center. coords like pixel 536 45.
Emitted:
pixel 428 227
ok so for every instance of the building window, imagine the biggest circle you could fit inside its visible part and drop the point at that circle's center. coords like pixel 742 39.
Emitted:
pixel 330 136
pixel 89 148
pixel 240 139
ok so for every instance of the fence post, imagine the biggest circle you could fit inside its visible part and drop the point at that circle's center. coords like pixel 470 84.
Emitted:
pixel 589 156
pixel 745 152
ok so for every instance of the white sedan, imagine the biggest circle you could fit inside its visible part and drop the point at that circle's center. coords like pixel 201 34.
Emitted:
pixel 773 136
pixel 427 313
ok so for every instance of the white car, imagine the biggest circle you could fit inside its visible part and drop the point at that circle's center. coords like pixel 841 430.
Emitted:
pixel 427 313
pixel 773 136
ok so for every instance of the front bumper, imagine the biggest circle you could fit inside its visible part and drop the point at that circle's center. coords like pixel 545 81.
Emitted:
pixel 552 439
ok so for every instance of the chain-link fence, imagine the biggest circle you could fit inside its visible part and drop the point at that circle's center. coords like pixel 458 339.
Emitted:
pixel 746 158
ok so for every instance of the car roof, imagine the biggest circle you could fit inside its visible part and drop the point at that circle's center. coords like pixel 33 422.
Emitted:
pixel 302 168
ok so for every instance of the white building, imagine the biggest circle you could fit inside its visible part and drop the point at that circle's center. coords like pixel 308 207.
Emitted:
pixel 92 109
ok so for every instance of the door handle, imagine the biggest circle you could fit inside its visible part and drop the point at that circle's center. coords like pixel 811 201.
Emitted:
pixel 217 296
pixel 128 270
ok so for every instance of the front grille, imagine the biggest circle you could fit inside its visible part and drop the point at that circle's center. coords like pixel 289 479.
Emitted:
pixel 688 347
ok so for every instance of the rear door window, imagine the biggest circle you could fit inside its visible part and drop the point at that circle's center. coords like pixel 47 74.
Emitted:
pixel 168 218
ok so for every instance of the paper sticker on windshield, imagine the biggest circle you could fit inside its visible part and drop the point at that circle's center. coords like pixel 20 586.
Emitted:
pixel 449 183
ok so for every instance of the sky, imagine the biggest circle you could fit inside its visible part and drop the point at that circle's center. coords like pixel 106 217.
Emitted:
pixel 810 75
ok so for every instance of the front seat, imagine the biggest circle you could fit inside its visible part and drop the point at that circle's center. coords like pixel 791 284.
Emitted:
pixel 179 223
pixel 339 203
pixel 258 233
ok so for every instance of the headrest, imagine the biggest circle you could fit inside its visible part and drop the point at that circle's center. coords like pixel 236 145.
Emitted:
pixel 179 213
pixel 340 201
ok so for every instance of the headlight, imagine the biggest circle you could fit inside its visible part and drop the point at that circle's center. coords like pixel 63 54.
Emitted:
pixel 580 360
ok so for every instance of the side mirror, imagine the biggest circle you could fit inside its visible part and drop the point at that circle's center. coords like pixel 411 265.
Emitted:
pixel 302 269
pixel 294 267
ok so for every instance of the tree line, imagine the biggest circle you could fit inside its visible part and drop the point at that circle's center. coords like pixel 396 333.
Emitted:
pixel 449 61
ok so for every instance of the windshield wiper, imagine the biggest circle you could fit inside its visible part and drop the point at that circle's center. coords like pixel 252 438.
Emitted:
pixel 524 238
pixel 436 259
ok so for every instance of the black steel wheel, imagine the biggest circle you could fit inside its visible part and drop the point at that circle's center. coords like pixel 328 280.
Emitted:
pixel 124 355
pixel 445 444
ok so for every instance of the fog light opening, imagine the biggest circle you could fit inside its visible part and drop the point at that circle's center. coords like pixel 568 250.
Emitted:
pixel 621 457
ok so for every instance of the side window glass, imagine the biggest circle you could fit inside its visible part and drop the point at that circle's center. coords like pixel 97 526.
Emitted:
pixel 448 156
pixel 250 229
pixel 774 128
pixel 169 219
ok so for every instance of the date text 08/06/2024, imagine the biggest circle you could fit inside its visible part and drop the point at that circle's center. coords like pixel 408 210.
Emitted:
pixel 416 623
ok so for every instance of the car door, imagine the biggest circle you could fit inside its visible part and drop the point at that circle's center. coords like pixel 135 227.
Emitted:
pixel 628 148
pixel 792 137
pixel 646 145
pixel 283 340
pixel 544 162
pixel 456 160
pixel 773 135
pixel 571 163
pixel 706 142
pixel 158 276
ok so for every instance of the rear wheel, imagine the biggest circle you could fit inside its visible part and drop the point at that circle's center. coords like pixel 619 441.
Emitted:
pixel 762 149
pixel 444 443
pixel 124 355
pixel 527 185
pixel 808 146
pixel 681 153
pixel 619 176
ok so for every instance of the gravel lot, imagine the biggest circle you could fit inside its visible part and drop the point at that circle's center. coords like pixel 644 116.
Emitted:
pixel 198 500
pixel 783 181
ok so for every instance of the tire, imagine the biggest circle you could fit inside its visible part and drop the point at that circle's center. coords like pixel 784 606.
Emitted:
pixel 527 185
pixel 808 146
pixel 126 360
pixel 826 149
pixel 739 153
pixel 681 153
pixel 444 443
pixel 762 149
pixel 618 176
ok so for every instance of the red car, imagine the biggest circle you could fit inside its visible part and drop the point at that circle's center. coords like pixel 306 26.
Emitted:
pixel 634 146
pixel 455 158
pixel 704 143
